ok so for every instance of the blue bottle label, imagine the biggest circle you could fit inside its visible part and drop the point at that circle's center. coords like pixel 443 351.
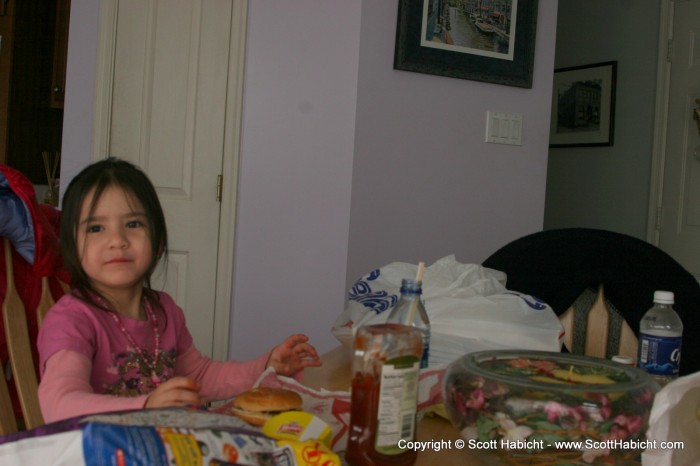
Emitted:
pixel 659 355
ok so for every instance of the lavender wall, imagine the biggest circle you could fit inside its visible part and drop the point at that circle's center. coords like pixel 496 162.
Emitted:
pixel 295 171
pixel 425 184
pixel 80 88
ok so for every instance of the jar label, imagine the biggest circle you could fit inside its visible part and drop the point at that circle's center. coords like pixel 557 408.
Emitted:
pixel 396 413
pixel 659 355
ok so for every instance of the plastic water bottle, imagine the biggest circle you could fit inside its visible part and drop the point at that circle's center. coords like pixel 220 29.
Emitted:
pixel 660 335
pixel 409 310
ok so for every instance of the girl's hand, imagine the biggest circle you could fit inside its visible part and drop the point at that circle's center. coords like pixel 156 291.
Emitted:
pixel 177 391
pixel 293 355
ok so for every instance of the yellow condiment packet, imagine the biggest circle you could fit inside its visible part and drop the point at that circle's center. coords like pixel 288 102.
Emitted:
pixel 298 425
pixel 311 453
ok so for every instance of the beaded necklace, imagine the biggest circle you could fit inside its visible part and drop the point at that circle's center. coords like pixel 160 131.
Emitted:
pixel 151 363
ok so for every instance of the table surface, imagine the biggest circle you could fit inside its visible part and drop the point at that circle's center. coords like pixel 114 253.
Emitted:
pixel 335 374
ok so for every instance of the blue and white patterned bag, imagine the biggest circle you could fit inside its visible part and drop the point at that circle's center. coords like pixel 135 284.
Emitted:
pixel 469 307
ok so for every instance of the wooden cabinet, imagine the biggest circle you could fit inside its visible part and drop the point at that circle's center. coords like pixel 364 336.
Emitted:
pixel 32 64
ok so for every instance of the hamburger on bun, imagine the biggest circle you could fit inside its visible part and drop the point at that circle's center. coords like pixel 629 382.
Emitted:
pixel 259 404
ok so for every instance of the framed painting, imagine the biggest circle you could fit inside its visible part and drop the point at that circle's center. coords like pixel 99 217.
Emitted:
pixel 482 40
pixel 583 105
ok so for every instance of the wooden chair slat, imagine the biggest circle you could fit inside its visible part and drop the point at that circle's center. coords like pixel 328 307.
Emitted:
pixel 8 423
pixel 597 336
pixel 567 321
pixel 45 301
pixel 597 327
pixel 19 347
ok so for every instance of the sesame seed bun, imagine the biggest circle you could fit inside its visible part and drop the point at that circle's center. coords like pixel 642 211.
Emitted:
pixel 259 404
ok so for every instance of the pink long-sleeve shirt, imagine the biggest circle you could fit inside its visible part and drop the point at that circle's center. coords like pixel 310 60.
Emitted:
pixel 88 365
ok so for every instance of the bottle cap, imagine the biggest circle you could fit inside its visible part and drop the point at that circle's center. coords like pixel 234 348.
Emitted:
pixel 409 284
pixel 663 297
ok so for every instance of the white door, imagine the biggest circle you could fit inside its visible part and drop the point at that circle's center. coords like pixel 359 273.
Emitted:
pixel 679 217
pixel 164 97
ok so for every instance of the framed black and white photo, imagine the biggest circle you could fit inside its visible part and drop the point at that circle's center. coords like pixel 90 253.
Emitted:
pixel 583 105
pixel 491 41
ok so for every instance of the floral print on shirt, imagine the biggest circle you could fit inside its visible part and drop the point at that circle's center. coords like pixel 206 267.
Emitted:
pixel 134 377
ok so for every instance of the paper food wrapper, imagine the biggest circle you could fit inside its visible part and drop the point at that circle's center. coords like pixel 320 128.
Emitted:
pixel 333 407
pixel 675 417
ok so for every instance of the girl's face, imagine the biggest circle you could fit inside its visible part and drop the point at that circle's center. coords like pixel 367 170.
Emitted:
pixel 113 241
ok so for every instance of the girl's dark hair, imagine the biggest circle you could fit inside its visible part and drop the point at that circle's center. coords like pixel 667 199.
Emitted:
pixel 110 172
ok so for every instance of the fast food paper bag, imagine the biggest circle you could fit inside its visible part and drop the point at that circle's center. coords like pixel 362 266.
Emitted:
pixel 675 417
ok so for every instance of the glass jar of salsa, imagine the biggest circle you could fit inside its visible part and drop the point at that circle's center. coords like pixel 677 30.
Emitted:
pixel 384 395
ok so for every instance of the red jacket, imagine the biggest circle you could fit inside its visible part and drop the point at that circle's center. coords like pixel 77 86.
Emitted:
pixel 36 235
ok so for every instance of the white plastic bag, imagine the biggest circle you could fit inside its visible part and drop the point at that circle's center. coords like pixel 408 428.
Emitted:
pixel 674 424
pixel 469 308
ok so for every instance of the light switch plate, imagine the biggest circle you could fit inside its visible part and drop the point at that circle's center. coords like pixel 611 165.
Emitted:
pixel 504 128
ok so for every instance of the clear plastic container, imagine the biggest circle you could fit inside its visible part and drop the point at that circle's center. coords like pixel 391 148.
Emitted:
pixel 521 403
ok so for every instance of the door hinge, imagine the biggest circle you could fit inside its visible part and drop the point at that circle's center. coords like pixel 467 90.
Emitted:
pixel 669 51
pixel 659 217
pixel 219 187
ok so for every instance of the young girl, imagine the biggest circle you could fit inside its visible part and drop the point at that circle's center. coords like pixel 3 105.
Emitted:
pixel 113 343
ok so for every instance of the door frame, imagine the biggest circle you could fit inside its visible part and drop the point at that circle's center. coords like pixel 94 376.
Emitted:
pixel 658 155
pixel 231 149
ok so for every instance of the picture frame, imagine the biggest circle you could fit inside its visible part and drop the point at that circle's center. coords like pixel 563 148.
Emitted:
pixel 432 37
pixel 583 105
